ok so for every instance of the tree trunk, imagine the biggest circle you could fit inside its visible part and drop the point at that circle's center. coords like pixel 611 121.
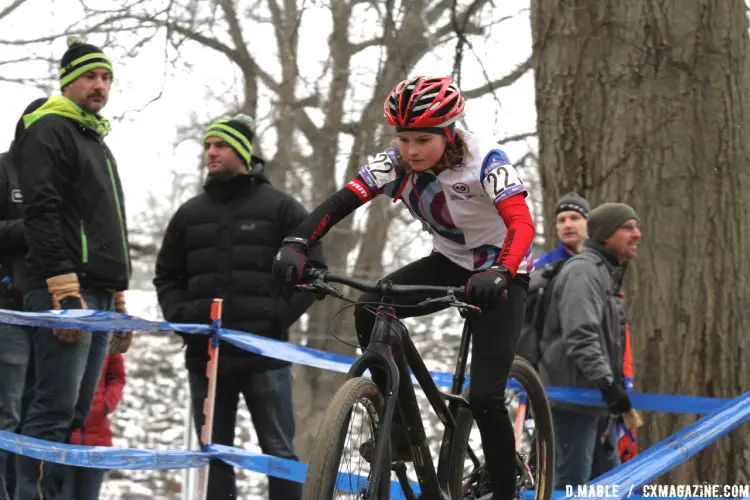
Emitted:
pixel 646 102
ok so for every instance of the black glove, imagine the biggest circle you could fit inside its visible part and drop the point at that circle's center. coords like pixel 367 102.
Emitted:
pixel 616 397
pixel 290 263
pixel 486 288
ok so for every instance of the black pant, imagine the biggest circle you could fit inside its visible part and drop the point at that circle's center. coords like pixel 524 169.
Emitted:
pixel 268 396
pixel 494 336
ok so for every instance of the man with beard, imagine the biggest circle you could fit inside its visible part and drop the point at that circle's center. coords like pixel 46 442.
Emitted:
pixel 585 337
pixel 221 244
pixel 78 255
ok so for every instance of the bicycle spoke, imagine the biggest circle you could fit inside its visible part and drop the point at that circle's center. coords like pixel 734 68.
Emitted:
pixel 354 472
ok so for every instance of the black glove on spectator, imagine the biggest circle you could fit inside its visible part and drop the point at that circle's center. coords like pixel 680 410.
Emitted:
pixel 616 397
pixel 485 288
pixel 290 263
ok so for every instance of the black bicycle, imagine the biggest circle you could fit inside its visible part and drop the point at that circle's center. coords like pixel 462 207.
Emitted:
pixel 360 406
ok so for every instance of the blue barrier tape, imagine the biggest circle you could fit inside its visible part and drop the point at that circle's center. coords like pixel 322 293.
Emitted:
pixel 89 319
pixel 100 320
pixel 663 456
pixel 290 470
pixel 635 473
pixel 265 464
pixel 101 457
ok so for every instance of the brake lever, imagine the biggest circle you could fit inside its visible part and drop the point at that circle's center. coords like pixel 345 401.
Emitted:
pixel 451 301
pixel 466 306
pixel 320 289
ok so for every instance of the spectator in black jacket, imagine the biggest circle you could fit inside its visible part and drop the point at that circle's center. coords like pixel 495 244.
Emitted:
pixel 221 244
pixel 78 257
pixel 16 345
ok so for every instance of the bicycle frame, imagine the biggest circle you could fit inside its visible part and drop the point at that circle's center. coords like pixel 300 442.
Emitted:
pixel 391 350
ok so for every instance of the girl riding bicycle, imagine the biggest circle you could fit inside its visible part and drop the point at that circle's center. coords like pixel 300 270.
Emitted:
pixel 469 197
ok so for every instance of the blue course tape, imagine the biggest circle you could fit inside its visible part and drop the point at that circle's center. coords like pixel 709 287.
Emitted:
pixel 88 319
pixel 290 470
pixel 725 414
pixel 265 464
pixel 663 456
pixel 337 362
pixel 101 457
pixel 100 320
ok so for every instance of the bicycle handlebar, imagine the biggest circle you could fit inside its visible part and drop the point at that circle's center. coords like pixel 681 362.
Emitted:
pixel 384 288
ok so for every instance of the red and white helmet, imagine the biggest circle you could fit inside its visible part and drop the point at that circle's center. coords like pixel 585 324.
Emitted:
pixel 424 102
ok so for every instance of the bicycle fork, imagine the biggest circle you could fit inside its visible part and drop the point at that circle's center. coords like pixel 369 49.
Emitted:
pixel 379 355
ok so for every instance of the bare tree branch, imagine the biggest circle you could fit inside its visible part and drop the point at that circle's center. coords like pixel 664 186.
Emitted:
pixel 505 81
pixel 516 137
pixel 360 46
pixel 308 128
pixel 235 31
pixel 10 8
pixel 27 59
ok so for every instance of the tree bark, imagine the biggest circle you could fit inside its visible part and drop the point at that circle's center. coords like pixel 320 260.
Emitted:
pixel 646 102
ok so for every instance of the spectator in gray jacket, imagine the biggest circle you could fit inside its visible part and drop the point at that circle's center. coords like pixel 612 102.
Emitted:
pixel 583 341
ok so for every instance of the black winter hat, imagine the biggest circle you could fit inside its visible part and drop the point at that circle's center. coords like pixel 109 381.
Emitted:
pixel 573 202
pixel 80 58
pixel 238 133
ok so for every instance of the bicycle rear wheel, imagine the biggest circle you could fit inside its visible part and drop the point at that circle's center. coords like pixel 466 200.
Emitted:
pixel 357 406
pixel 535 457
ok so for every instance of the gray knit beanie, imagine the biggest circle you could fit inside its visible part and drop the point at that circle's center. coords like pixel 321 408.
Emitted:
pixel 573 202
pixel 605 219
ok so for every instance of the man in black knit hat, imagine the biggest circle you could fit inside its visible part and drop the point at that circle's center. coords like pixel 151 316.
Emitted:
pixel 221 244
pixel 583 341
pixel 571 214
pixel 78 255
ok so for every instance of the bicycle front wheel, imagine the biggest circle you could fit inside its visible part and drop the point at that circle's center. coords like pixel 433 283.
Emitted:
pixel 355 410
pixel 535 446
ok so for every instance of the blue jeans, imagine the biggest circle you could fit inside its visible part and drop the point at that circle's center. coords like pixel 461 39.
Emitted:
pixel 579 451
pixel 66 378
pixel 269 398
pixel 14 361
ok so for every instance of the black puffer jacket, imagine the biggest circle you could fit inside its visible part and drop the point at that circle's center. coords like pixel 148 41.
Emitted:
pixel 221 244
pixel 12 242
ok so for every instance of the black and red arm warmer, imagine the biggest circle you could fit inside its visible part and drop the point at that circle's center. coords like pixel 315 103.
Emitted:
pixel 520 233
pixel 331 211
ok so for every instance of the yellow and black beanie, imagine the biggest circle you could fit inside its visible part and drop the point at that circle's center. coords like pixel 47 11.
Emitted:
pixel 80 58
pixel 237 132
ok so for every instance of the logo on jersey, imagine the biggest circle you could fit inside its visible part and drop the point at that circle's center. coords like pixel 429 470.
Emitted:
pixel 461 188
pixel 358 189
pixel 16 196
pixel 458 197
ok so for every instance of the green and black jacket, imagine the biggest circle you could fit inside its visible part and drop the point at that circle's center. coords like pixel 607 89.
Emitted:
pixel 73 202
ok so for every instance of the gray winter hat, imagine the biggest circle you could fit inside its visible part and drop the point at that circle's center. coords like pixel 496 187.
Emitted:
pixel 607 218
pixel 573 202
